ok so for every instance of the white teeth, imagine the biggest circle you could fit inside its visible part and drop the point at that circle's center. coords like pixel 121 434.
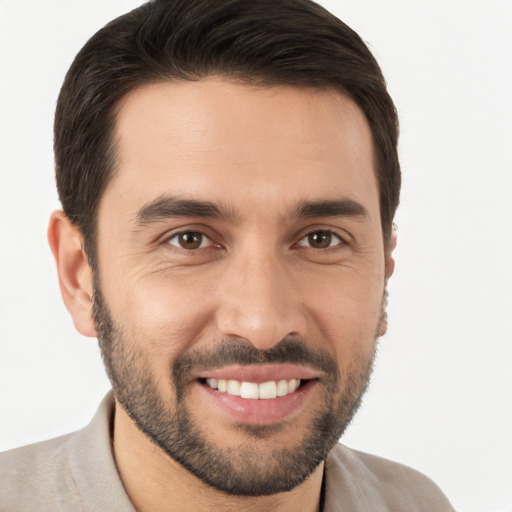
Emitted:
pixel 249 390
pixel 233 387
pixel 282 388
pixel 213 383
pixel 252 390
pixel 267 390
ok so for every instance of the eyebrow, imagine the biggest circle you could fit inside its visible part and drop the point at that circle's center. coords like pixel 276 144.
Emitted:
pixel 330 208
pixel 168 207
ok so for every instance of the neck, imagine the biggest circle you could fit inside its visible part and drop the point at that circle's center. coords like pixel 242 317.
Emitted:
pixel 166 486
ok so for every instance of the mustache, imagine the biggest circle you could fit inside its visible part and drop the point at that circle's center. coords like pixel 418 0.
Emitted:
pixel 239 351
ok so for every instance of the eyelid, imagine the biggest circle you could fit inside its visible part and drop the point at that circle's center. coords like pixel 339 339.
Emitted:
pixel 345 238
pixel 193 228
pixel 179 233
pixel 331 233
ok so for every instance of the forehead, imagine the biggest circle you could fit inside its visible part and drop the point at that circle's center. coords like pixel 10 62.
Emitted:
pixel 217 139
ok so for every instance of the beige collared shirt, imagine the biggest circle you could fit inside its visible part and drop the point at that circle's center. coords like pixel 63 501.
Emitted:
pixel 77 472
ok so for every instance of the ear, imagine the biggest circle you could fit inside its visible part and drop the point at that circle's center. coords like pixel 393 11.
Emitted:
pixel 389 269
pixel 390 261
pixel 75 275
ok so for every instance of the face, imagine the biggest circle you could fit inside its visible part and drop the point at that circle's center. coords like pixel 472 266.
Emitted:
pixel 241 276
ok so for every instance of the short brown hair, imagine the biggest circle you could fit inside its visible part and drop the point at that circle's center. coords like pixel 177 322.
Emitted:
pixel 267 42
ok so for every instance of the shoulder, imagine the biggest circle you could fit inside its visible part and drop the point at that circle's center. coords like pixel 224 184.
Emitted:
pixel 31 475
pixel 380 483
pixel 73 472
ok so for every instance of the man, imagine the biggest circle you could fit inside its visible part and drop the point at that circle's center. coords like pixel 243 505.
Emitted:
pixel 229 176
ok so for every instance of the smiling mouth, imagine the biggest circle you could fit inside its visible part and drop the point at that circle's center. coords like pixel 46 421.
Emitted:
pixel 259 394
pixel 253 390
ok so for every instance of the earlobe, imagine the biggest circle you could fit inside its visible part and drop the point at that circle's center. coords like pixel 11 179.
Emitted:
pixel 389 269
pixel 75 274
pixel 390 261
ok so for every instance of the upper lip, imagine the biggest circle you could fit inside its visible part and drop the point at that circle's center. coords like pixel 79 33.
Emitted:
pixel 261 373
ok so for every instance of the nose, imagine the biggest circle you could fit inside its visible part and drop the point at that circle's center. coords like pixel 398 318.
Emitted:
pixel 258 300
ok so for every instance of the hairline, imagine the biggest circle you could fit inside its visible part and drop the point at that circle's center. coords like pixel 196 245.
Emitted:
pixel 259 82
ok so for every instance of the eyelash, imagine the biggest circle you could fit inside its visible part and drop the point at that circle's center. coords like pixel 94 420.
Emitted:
pixel 333 234
pixel 205 238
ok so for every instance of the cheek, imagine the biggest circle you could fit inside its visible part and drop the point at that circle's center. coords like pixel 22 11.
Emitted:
pixel 347 311
pixel 161 316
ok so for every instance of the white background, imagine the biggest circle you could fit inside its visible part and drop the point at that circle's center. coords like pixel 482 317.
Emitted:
pixel 441 395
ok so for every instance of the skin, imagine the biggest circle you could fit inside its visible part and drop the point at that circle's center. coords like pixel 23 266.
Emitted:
pixel 259 153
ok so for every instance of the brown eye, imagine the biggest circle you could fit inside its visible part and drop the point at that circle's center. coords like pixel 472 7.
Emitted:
pixel 320 240
pixel 189 240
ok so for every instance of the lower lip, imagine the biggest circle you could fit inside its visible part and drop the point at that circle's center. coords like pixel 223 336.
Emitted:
pixel 261 411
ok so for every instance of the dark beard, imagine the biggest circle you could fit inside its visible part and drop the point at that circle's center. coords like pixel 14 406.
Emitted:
pixel 241 470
